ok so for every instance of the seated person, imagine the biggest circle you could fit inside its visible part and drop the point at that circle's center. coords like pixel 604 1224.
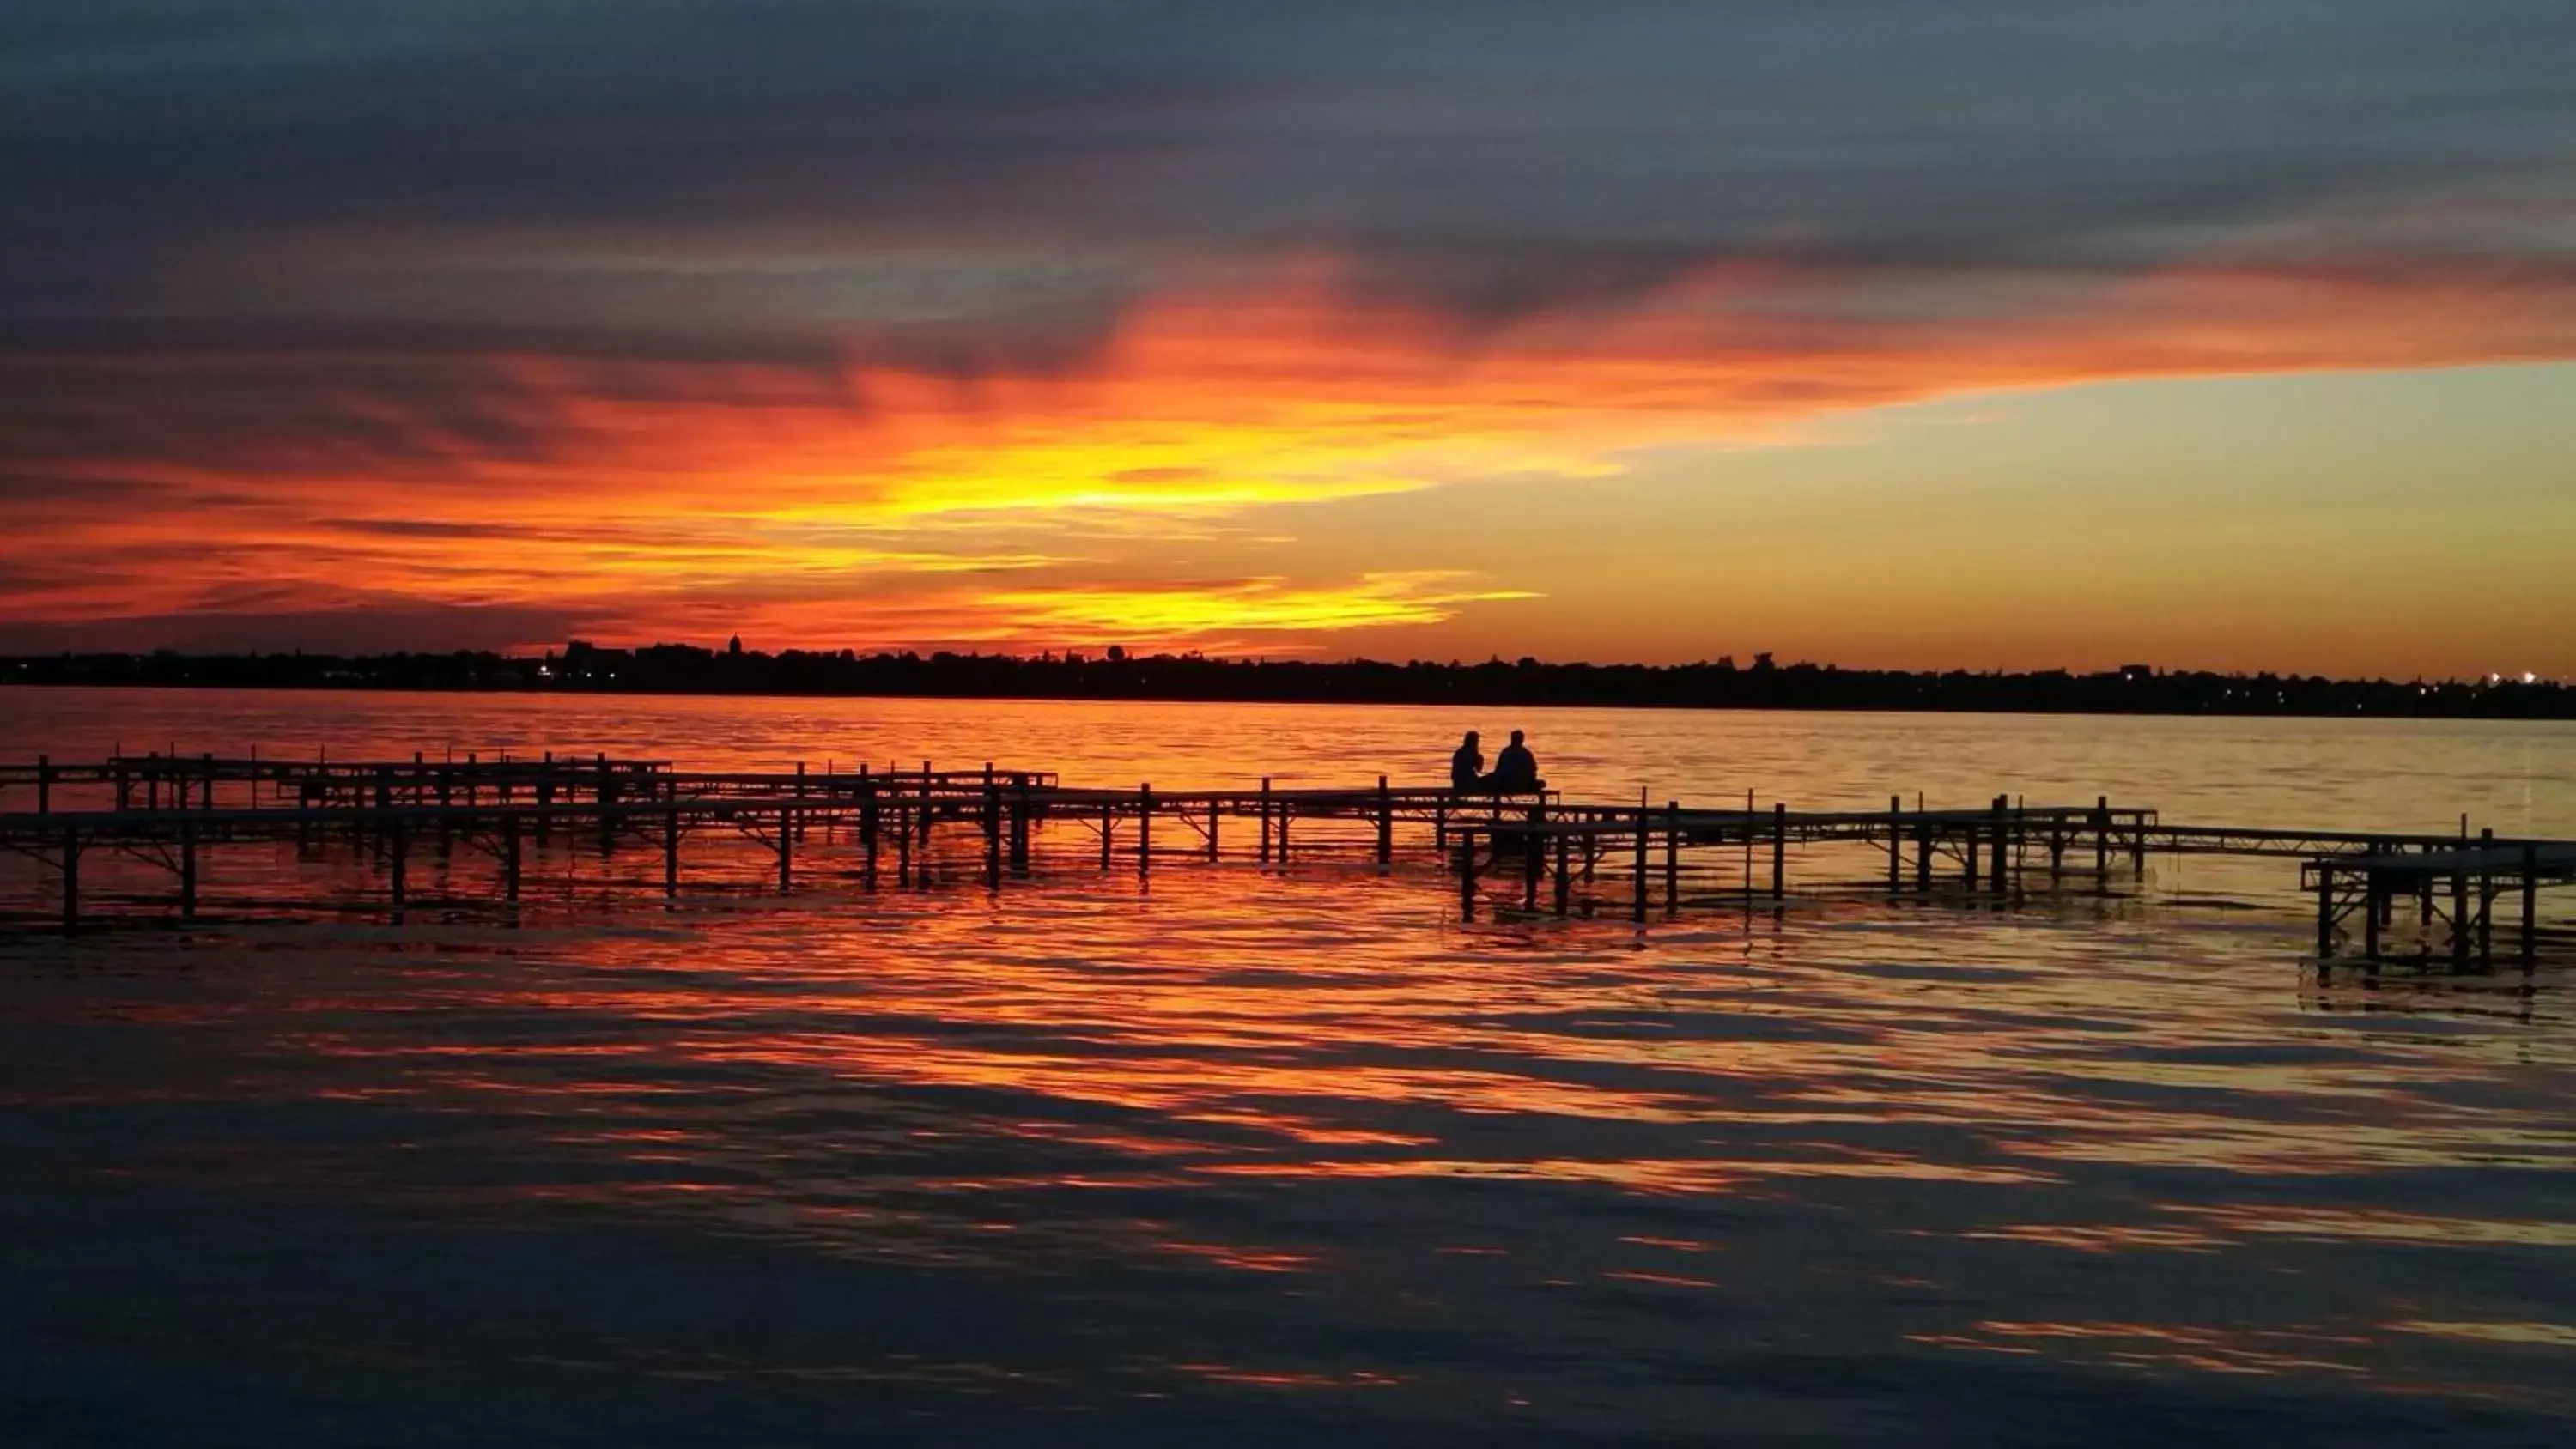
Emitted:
pixel 1515 769
pixel 1467 767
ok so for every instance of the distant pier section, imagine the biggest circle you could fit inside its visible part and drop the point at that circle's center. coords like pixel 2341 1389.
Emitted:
pixel 184 838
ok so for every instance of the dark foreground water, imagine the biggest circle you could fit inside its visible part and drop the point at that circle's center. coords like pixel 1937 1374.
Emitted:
pixel 1282 1158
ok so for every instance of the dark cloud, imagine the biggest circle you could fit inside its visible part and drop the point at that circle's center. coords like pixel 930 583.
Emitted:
pixel 1547 152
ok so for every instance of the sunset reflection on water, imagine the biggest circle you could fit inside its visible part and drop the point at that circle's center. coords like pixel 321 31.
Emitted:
pixel 1056 1149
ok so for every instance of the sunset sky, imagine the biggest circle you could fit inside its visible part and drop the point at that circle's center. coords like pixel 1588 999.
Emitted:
pixel 1994 333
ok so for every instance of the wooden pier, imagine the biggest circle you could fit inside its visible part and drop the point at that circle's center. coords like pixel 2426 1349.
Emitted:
pixel 910 827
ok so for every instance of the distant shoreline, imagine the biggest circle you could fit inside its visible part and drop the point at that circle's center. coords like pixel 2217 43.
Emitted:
pixel 681 670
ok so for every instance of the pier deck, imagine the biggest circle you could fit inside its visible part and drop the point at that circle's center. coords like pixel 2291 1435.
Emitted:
pixel 915 826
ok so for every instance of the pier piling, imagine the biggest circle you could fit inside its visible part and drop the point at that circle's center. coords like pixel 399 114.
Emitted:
pixel 1779 849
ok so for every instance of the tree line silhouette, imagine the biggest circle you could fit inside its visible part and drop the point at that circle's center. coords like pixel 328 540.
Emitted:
pixel 583 667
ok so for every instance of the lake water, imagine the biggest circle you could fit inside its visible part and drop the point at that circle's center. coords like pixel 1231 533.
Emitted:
pixel 1288 1154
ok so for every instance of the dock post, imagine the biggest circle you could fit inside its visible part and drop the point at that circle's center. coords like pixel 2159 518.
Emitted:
pixel 1638 907
pixel 2102 841
pixel 206 799
pixel 671 854
pixel 2486 896
pixel 510 858
pixel 1996 882
pixel 1108 819
pixel 1216 812
pixel 903 875
pixel 2372 889
pixel 786 848
pixel 398 847
pixel 2530 898
pixel 1440 826
pixel 398 863
pixel 2325 909
pixel 187 870
pixel 1145 828
pixel 2459 915
pixel 1672 857
pixel 868 834
pixel 44 784
pixel 1895 844
pixel 71 877
pixel 1563 885
pixel 1020 824
pixel 2138 849
pixel 992 831
pixel 1386 826
pixel 1533 860
pixel 1779 849
pixel 2056 849
pixel 1265 820
pixel 1467 875
pixel 1922 852
pixel 1972 847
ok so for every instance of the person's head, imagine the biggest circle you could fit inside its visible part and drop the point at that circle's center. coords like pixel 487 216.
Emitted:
pixel 1516 737
pixel 1471 737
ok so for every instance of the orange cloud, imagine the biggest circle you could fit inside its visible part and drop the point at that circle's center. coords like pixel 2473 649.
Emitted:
pixel 841 508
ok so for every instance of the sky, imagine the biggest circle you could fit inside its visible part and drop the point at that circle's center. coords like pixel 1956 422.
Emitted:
pixel 2231 334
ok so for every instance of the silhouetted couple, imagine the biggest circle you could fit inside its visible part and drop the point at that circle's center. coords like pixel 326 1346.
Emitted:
pixel 1515 769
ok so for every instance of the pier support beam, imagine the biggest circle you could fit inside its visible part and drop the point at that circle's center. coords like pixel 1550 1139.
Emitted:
pixel 786 848
pixel 1672 857
pixel 1018 829
pixel 2102 842
pixel 1779 849
pixel 2002 832
pixel 992 831
pixel 398 864
pixel 2325 910
pixel 1564 884
pixel 1386 828
pixel 671 855
pixel 1145 828
pixel 71 878
pixel 1638 910
pixel 868 836
pixel 1895 844
pixel 1265 820
pixel 2530 900
pixel 187 871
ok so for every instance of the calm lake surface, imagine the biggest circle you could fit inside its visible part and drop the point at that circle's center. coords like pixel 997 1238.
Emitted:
pixel 1277 1155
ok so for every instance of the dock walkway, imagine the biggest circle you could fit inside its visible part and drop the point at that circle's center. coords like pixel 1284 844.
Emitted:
pixel 1538 853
